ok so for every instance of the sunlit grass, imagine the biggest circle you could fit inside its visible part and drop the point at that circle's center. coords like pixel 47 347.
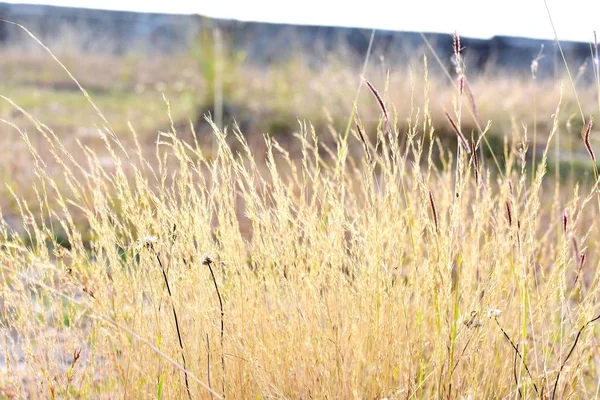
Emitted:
pixel 390 263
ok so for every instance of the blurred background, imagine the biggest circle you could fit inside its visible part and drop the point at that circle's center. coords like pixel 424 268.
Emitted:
pixel 155 66
pixel 268 65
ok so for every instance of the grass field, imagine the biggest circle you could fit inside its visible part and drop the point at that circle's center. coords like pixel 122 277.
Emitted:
pixel 421 253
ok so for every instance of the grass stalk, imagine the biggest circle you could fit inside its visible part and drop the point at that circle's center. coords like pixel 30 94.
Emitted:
pixel 150 246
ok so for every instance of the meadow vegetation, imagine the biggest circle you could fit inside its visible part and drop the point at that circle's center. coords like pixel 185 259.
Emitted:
pixel 420 253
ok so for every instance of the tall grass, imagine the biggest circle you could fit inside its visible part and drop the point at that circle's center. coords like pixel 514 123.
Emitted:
pixel 333 267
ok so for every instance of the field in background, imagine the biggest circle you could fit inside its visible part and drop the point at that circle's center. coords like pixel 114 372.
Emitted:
pixel 263 99
pixel 314 261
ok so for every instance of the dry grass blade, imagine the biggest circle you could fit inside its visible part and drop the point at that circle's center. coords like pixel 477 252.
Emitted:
pixel 575 248
pixel 79 86
pixel 580 267
pixel 562 54
pixel 471 99
pixel 364 142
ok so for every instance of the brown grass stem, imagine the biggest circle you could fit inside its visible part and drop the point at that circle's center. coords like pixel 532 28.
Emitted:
pixel 571 352
pixel 515 372
pixel 516 349
pixel 150 245
pixel 208 262
pixel 208 365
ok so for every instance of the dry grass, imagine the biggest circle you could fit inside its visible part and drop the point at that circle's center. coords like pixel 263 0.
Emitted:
pixel 263 99
pixel 326 267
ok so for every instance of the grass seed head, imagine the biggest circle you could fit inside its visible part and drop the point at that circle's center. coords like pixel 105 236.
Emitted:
pixel 379 99
pixel 461 137
pixel 475 160
pixel 586 139
pixel 434 211
pixel 207 260
pixel 508 213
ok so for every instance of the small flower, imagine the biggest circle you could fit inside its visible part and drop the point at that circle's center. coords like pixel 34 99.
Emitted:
pixel 147 241
pixel 494 313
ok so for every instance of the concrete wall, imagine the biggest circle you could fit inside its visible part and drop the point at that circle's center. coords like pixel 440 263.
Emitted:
pixel 122 32
pixel 112 31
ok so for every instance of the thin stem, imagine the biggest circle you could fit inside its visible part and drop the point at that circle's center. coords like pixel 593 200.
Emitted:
pixel 519 354
pixel 208 262
pixel 208 364
pixel 571 352
pixel 363 72
pixel 164 273
pixel 515 373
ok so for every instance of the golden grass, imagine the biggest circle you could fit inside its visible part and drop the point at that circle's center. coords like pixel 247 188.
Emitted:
pixel 266 99
pixel 339 277
pixel 323 267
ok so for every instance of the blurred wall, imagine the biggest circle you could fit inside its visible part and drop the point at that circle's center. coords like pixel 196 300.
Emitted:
pixel 122 32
